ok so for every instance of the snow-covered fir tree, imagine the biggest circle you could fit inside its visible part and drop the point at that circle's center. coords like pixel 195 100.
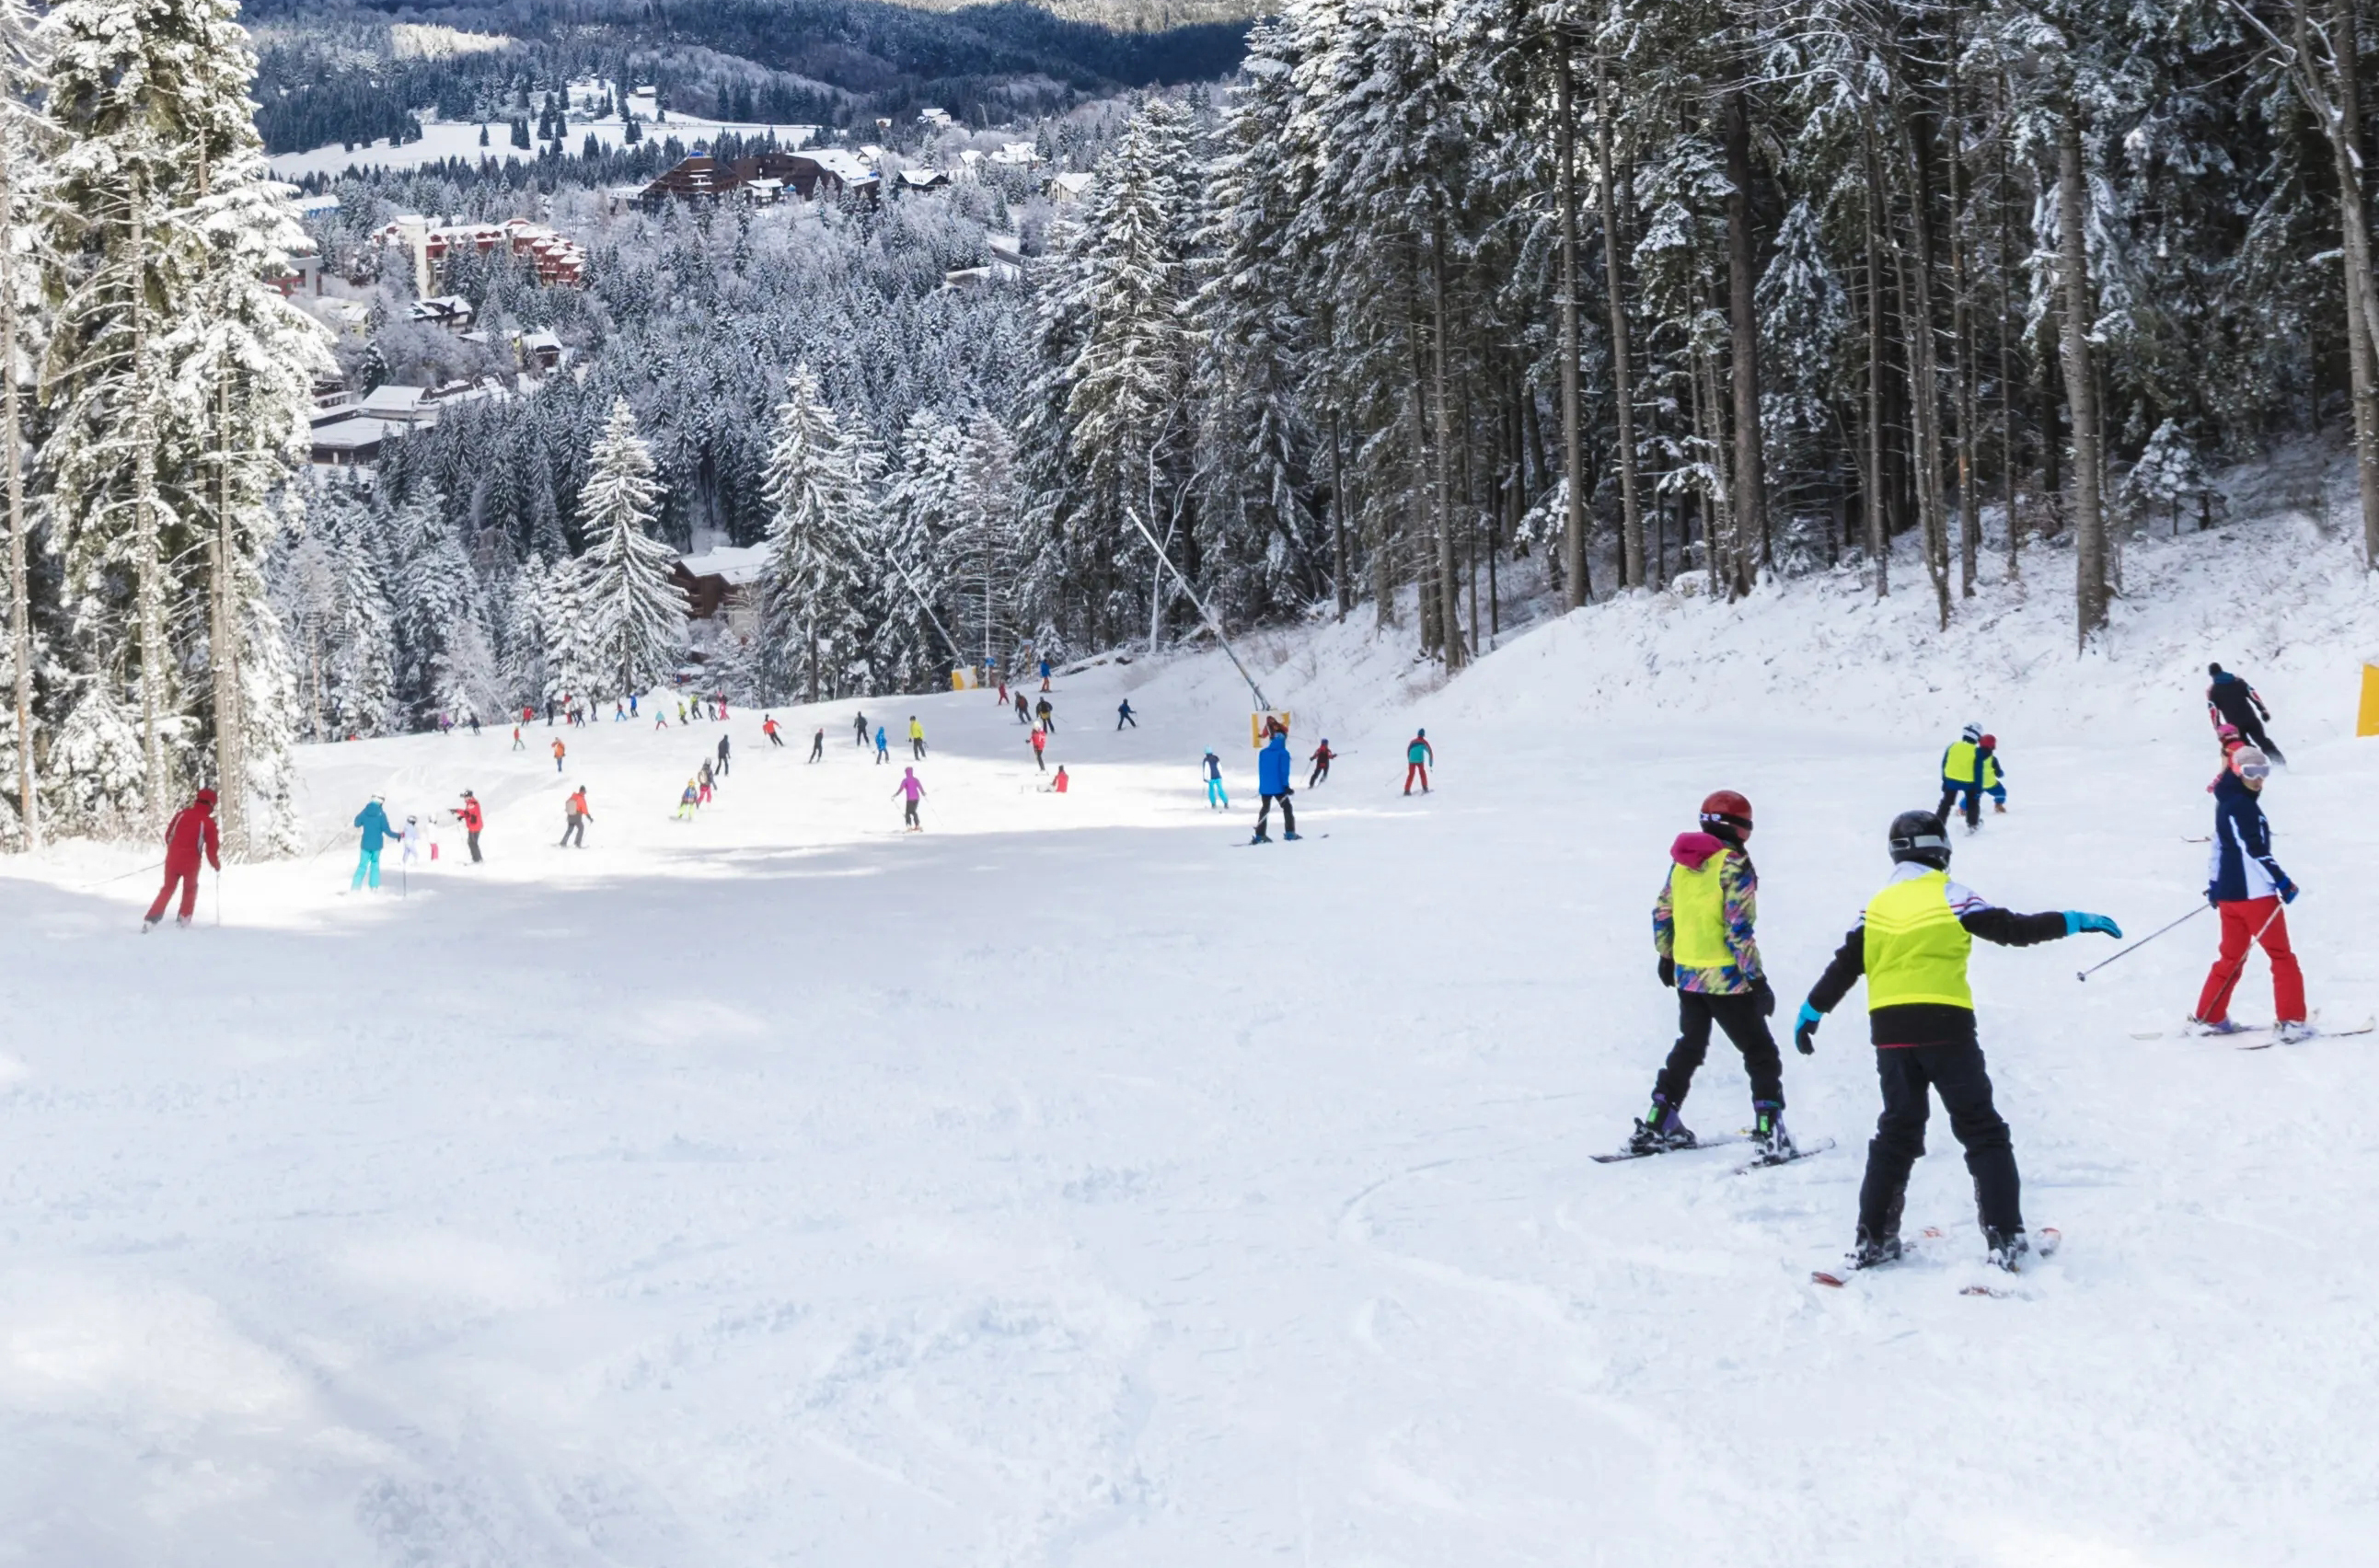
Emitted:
pixel 630 618
pixel 821 487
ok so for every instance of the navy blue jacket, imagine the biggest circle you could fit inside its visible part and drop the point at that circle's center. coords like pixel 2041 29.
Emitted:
pixel 2242 864
pixel 2234 699
pixel 1272 766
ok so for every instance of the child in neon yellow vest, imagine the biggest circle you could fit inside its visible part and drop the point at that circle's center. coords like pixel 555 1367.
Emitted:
pixel 1702 929
pixel 1912 945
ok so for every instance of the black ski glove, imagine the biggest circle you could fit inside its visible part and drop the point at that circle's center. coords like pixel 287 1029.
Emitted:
pixel 1805 1030
pixel 1668 972
pixel 1765 994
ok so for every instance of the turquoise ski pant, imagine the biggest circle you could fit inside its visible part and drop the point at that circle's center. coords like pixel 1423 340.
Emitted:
pixel 368 866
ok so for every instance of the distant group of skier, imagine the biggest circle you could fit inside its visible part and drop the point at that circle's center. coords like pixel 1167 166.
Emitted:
pixel 1911 945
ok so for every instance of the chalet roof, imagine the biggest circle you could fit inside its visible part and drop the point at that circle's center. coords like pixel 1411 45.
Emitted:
pixel 923 179
pixel 736 564
pixel 841 165
pixel 392 402
pixel 355 433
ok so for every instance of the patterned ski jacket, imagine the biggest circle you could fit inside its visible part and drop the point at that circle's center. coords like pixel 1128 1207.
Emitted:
pixel 1739 912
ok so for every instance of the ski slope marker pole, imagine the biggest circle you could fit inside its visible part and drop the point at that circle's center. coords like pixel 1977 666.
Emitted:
pixel 2143 942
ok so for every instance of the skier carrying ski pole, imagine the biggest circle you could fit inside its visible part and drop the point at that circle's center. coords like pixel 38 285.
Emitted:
pixel 1703 932
pixel 1125 716
pixel 191 833
pixel 1419 756
pixel 2248 889
pixel 2229 700
pixel 1321 760
pixel 575 815
pixel 911 789
pixel 1912 944
pixel 768 727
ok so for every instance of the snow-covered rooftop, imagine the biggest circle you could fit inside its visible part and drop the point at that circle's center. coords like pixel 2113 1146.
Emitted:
pixel 737 564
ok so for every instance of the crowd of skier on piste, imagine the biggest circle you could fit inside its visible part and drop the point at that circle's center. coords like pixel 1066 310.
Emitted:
pixel 1910 943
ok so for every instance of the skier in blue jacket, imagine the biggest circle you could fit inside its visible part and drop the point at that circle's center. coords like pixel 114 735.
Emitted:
pixel 1272 766
pixel 376 829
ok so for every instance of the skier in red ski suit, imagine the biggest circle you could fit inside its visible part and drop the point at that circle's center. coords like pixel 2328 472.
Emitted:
pixel 192 831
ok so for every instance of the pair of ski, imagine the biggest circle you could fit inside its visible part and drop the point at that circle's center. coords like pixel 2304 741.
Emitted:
pixel 2045 1244
pixel 2256 1036
pixel 1762 1163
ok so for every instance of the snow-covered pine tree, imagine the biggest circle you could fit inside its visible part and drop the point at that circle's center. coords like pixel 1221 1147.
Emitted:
pixel 632 616
pixel 97 768
pixel 821 495
pixel 920 512
pixel 979 558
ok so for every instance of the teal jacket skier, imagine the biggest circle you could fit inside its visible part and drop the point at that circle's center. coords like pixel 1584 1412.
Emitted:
pixel 373 820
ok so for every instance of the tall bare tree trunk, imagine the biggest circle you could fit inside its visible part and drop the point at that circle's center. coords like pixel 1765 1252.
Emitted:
pixel 147 591
pixel 1448 586
pixel 224 626
pixel 1338 511
pixel 2081 385
pixel 1878 541
pixel 2362 316
pixel 21 603
pixel 1750 509
pixel 1572 458
pixel 2006 260
pixel 1970 516
pixel 1623 382
pixel 1924 374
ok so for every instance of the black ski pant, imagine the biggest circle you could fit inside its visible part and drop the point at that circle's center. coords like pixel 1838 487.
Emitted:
pixel 1956 1071
pixel 1321 772
pixel 910 815
pixel 1740 1016
pixel 1287 813
pixel 1124 718
pixel 916 748
pixel 474 846
pixel 1951 790
pixel 817 748
pixel 2251 730
pixel 574 828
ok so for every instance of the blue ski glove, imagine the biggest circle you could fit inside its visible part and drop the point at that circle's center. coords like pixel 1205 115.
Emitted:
pixel 2287 891
pixel 2210 900
pixel 2076 922
pixel 1805 1030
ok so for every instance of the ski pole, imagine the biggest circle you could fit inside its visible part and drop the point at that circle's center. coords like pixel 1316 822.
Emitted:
pixel 105 881
pixel 2143 942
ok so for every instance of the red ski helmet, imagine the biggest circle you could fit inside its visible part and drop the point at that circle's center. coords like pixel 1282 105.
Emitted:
pixel 206 797
pixel 1990 742
pixel 1726 809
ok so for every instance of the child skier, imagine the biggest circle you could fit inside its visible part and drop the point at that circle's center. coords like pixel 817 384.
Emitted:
pixel 911 789
pixel 883 746
pixel 1418 756
pixel 410 840
pixel 1215 799
pixel 817 745
pixel 1993 776
pixel 768 727
pixel 1912 944
pixel 1040 749
pixel 518 744
pixel 191 833
pixel 1962 777
pixel 1321 760
pixel 1022 715
pixel 687 801
pixel 575 819
pixel 558 750
pixel 1702 929
pixel 376 830
pixel 1272 766
pixel 1058 783
pixel 702 778
pixel 2248 888
pixel 1125 716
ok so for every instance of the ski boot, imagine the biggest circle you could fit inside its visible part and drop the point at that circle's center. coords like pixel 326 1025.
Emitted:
pixel 148 924
pixel 1874 1252
pixel 182 920
pixel 2294 1031
pixel 1259 839
pixel 2008 1248
pixel 1659 1130
pixel 2220 1026
pixel 1291 837
pixel 1774 1145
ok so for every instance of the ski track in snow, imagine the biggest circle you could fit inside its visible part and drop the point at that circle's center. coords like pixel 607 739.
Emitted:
pixel 1061 1185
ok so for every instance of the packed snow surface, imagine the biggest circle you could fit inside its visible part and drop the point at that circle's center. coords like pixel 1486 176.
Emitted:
pixel 1070 1183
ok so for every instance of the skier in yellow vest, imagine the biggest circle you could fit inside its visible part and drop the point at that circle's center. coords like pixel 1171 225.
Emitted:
pixel 1962 773
pixel 1702 928
pixel 1912 945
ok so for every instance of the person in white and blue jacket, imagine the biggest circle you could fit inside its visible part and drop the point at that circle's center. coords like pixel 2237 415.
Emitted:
pixel 2246 886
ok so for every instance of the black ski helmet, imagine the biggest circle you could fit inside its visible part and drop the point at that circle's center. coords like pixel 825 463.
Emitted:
pixel 1918 836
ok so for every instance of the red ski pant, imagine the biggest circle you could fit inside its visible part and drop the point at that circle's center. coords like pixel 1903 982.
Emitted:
pixel 1416 770
pixel 188 878
pixel 2240 919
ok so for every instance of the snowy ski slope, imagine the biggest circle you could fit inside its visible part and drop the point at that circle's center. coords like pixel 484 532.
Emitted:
pixel 1069 1184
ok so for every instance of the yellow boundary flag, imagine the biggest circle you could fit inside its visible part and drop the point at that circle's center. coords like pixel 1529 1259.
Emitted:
pixel 2368 722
